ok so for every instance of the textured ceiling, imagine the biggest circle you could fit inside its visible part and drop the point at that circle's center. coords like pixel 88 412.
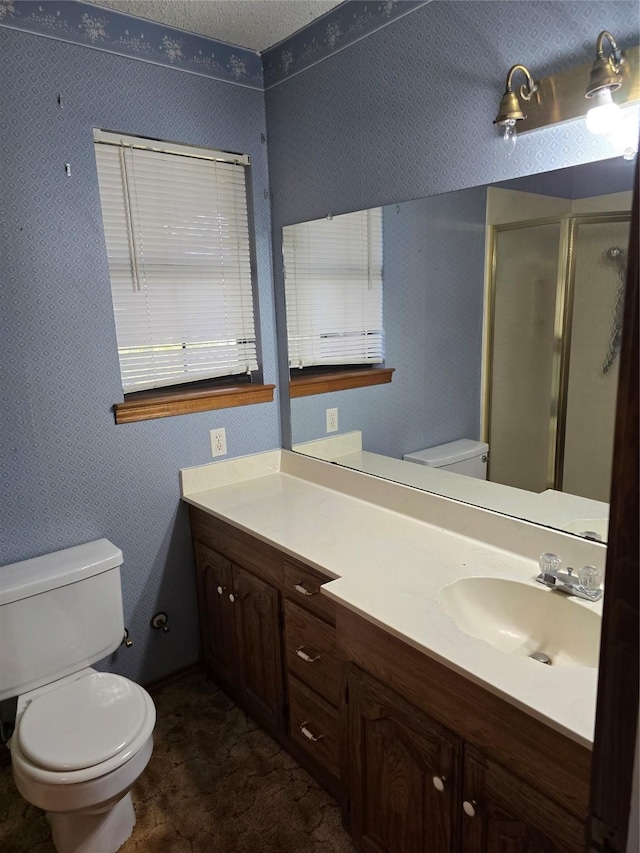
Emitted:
pixel 255 24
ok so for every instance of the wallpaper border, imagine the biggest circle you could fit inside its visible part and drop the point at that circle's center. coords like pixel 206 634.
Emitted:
pixel 96 27
pixel 345 24
pixel 136 38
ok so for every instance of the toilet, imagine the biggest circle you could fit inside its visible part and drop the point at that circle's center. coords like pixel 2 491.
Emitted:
pixel 461 457
pixel 82 738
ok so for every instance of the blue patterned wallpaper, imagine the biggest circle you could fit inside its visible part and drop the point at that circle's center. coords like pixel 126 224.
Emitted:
pixel 407 112
pixel 68 474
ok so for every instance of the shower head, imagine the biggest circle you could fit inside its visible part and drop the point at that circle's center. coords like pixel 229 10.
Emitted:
pixel 614 253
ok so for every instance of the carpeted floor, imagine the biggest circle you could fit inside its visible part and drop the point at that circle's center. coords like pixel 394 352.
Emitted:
pixel 216 783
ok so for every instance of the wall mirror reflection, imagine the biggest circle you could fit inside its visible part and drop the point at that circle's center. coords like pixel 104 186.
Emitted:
pixel 502 313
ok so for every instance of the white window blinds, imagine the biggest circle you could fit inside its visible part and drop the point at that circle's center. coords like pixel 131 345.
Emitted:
pixel 177 236
pixel 333 286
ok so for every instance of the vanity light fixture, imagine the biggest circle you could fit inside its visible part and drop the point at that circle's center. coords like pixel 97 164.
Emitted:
pixel 565 96
pixel 510 111
pixel 605 78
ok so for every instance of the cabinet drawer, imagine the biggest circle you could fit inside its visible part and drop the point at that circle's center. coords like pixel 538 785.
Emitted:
pixel 237 545
pixel 314 726
pixel 311 652
pixel 302 585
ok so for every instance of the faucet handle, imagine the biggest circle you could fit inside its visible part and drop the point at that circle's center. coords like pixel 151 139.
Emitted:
pixel 549 565
pixel 590 578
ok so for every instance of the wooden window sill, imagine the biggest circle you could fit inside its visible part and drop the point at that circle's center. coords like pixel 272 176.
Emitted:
pixel 321 383
pixel 175 402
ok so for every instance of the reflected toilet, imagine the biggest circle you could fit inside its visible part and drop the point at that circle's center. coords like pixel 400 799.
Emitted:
pixel 461 457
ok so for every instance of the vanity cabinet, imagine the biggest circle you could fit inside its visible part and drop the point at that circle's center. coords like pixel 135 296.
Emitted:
pixel 214 582
pixel 259 647
pixel 507 783
pixel 403 773
pixel 422 758
pixel 415 786
pixel 500 814
pixel 313 672
pixel 268 637
pixel 240 632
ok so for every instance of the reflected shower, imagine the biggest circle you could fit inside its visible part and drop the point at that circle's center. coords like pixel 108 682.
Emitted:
pixel 616 257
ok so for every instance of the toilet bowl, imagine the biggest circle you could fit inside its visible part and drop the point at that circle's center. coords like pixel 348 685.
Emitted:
pixel 81 738
pixel 77 750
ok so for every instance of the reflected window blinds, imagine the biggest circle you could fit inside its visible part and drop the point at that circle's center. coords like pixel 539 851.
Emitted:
pixel 333 286
pixel 177 236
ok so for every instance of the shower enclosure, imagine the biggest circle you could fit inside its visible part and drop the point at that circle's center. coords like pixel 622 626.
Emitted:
pixel 556 297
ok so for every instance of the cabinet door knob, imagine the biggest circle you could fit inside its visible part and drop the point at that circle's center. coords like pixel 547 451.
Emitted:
pixel 308 734
pixel 231 597
pixel 469 807
pixel 305 657
pixel 220 590
pixel 301 588
pixel 438 782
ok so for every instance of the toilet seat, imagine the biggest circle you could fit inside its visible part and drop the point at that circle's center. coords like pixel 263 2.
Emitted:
pixel 84 729
pixel 96 717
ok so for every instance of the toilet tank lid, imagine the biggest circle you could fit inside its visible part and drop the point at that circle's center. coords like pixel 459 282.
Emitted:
pixel 447 454
pixel 40 574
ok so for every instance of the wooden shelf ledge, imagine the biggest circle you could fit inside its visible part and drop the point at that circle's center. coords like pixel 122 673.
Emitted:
pixel 322 383
pixel 170 403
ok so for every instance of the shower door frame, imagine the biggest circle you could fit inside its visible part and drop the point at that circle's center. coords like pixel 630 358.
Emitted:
pixel 565 286
pixel 576 221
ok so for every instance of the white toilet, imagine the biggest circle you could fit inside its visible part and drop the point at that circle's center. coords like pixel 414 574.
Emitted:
pixel 464 456
pixel 82 738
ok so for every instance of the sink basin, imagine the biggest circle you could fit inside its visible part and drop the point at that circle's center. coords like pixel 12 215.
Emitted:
pixel 525 619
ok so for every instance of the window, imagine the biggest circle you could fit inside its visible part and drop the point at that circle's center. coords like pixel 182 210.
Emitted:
pixel 333 286
pixel 177 235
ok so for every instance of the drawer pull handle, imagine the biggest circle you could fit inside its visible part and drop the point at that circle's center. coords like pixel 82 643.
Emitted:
pixel 309 735
pixel 305 657
pixel 302 589
pixel 469 808
pixel 438 783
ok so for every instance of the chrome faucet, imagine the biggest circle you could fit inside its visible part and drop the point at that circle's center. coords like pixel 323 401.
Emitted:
pixel 586 584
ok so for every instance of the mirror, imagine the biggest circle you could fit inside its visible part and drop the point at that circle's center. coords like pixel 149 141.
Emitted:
pixel 502 312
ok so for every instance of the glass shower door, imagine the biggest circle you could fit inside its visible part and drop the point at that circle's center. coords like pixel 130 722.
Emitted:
pixel 599 277
pixel 524 356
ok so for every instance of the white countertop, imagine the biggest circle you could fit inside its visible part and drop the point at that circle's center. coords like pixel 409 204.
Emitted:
pixel 391 549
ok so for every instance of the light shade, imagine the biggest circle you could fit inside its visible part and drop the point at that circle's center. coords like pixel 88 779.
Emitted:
pixel 603 76
pixel 509 110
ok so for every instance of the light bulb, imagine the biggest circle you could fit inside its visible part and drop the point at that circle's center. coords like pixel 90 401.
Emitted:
pixel 603 116
pixel 509 135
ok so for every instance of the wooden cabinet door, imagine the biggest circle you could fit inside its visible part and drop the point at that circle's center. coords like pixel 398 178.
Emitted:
pixel 260 665
pixel 502 814
pixel 216 612
pixel 403 777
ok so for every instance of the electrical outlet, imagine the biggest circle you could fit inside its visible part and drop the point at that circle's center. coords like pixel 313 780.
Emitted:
pixel 332 420
pixel 218 442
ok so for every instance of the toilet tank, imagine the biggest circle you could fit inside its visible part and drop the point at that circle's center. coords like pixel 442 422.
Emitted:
pixel 464 456
pixel 59 613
